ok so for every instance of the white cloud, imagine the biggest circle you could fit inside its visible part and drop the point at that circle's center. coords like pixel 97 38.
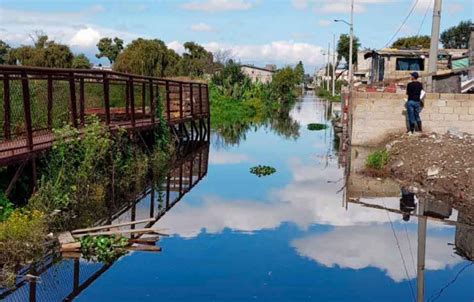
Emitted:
pixel 70 28
pixel 217 5
pixel 201 27
pixel 343 6
pixel 222 157
pixel 86 37
pixel 324 22
pixel 300 4
pixel 359 247
pixel 278 52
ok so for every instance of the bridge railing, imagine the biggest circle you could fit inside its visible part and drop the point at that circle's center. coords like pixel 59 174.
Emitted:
pixel 35 100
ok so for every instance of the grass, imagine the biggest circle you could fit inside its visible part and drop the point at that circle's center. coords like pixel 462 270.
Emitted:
pixel 377 160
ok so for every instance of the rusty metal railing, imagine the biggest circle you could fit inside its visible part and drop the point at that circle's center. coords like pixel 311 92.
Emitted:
pixel 35 100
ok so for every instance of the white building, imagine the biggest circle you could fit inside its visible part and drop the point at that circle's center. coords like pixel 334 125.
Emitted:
pixel 258 74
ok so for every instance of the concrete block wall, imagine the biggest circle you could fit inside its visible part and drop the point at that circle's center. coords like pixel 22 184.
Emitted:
pixel 377 115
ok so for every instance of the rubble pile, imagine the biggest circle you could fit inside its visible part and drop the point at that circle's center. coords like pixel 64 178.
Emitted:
pixel 435 166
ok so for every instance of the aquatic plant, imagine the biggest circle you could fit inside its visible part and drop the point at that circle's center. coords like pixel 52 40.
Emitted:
pixel 104 249
pixel 316 126
pixel 377 159
pixel 262 170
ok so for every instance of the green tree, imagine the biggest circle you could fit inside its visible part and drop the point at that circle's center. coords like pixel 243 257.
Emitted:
pixel 412 42
pixel 5 53
pixel 299 71
pixel 343 49
pixel 81 62
pixel 147 57
pixel 457 36
pixel 229 80
pixel 44 53
pixel 196 60
pixel 283 83
pixel 109 48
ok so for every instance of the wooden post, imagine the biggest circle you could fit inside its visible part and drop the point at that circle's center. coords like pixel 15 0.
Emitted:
pixel 6 107
pixel 168 191
pixel 127 99
pixel 72 100
pixel 81 100
pixel 200 163
pixel 27 109
pixel 152 201
pixel 76 275
pixel 180 179
pixel 132 101
pixel 191 98
pixel 200 99
pixel 50 101
pixel 181 100
pixel 106 99
pixel 143 98
pixel 168 101
pixel 152 102
pixel 191 173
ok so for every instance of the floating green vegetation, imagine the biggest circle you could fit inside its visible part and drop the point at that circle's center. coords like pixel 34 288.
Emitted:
pixel 262 170
pixel 377 159
pixel 104 249
pixel 316 126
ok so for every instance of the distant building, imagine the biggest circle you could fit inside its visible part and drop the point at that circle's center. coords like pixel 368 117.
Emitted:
pixel 393 64
pixel 100 67
pixel 259 74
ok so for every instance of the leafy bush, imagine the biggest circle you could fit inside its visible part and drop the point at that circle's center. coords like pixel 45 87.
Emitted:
pixel 22 241
pixel 6 207
pixel 103 248
pixel 377 159
pixel 262 170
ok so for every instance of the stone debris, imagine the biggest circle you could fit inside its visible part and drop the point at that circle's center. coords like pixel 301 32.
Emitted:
pixel 435 165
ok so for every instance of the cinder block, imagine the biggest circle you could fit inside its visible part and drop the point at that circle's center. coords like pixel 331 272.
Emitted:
pixel 451 117
pixel 461 96
pixel 447 96
pixel 471 110
pixel 440 103
pixel 432 96
pixel 436 117
pixel 466 117
pixel 446 110
pixel 469 103
pixel 460 110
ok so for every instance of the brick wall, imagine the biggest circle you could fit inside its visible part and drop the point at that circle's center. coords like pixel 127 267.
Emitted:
pixel 376 115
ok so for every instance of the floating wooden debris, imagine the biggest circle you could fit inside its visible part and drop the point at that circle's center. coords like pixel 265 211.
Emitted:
pixel 110 226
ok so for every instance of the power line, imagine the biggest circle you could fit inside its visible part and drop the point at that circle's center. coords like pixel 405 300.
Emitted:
pixel 403 23
pixel 424 17
pixel 411 251
pixel 435 296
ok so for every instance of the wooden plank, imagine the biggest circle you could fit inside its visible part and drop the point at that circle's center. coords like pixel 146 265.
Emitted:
pixel 104 227
pixel 65 238
pixel 121 232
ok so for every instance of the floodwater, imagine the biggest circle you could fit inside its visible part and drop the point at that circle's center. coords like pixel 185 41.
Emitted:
pixel 295 235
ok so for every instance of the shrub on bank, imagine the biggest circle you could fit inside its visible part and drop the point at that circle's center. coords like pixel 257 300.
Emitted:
pixel 377 159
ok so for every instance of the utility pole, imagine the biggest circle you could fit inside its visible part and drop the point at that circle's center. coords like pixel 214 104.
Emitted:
pixel 421 251
pixel 334 66
pixel 433 58
pixel 351 41
pixel 329 61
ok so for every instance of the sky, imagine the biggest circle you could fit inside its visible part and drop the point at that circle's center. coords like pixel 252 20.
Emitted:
pixel 260 32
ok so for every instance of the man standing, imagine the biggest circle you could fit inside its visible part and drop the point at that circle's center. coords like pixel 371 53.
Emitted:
pixel 414 89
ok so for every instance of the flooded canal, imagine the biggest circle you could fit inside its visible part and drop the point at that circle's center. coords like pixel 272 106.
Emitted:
pixel 300 234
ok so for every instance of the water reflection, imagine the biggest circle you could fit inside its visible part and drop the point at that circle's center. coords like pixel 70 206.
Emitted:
pixel 303 233
pixel 432 252
pixel 62 279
